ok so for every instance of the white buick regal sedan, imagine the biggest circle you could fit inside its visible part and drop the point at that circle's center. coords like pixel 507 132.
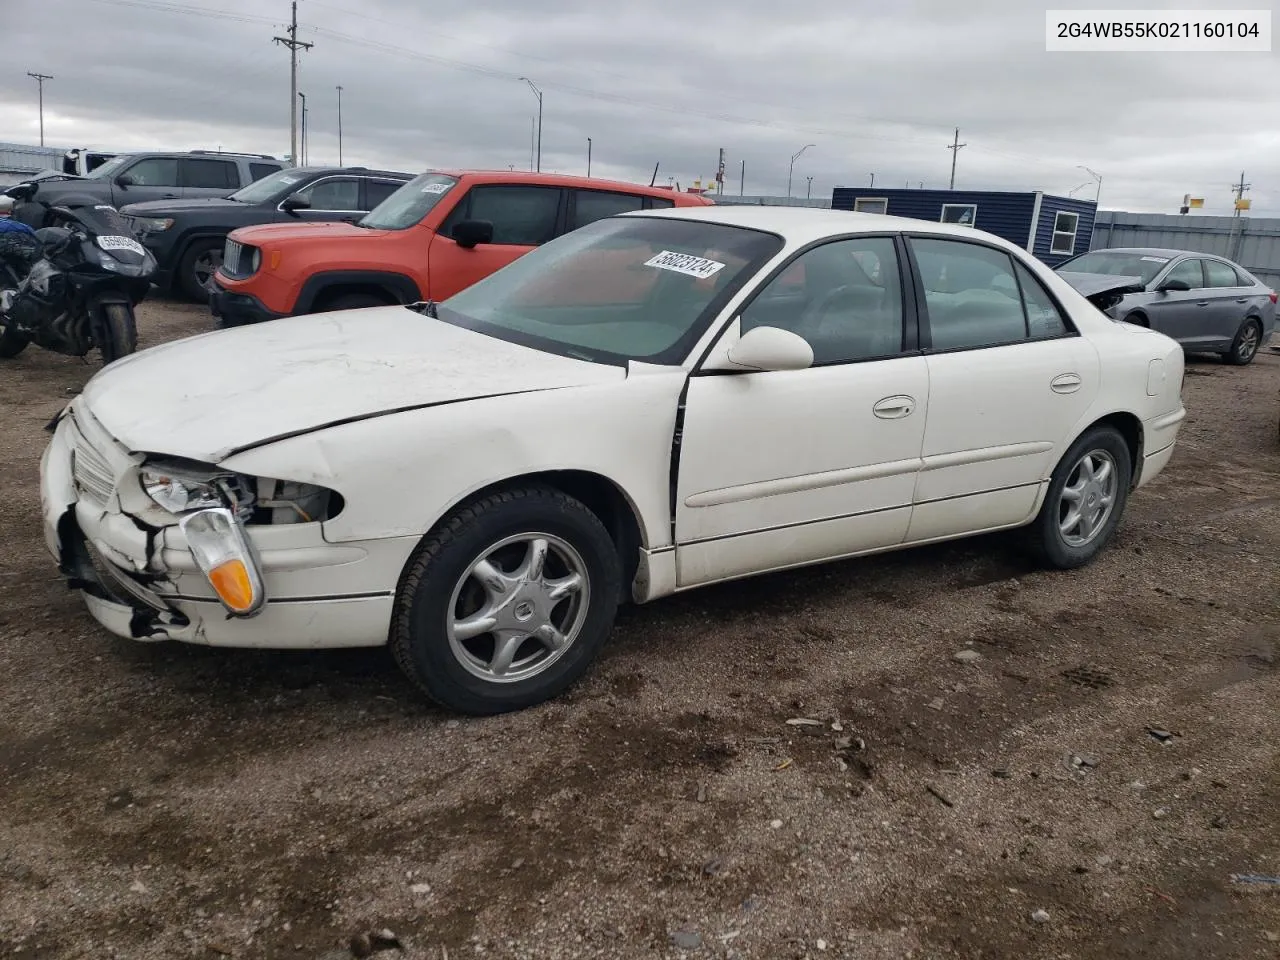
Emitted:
pixel 655 402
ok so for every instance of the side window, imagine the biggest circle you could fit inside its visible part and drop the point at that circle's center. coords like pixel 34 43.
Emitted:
pixel 871 205
pixel 658 203
pixel 155 172
pixel 962 214
pixel 1221 274
pixel 260 170
pixel 971 294
pixel 520 215
pixel 375 191
pixel 593 205
pixel 1065 226
pixel 844 298
pixel 1044 320
pixel 333 194
pixel 1189 272
pixel 210 174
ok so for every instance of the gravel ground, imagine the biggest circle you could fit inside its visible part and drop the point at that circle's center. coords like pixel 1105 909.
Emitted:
pixel 159 801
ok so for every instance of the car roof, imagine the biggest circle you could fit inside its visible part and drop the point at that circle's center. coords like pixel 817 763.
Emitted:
pixel 1158 252
pixel 364 171
pixel 806 224
pixel 568 180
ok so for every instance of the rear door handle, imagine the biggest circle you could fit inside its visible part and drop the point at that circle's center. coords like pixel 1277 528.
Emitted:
pixel 1202 303
pixel 894 408
pixel 1065 383
pixel 1242 299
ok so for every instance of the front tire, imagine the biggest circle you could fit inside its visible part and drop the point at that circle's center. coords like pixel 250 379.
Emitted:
pixel 1245 345
pixel 352 301
pixel 12 343
pixel 199 264
pixel 506 603
pixel 1086 497
pixel 119 334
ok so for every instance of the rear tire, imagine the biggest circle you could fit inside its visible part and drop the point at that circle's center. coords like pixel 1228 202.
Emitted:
pixel 119 333
pixel 1087 495
pixel 1245 345
pixel 472 590
pixel 197 268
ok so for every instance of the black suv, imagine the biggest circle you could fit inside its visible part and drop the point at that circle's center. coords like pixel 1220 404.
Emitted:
pixel 186 236
pixel 134 177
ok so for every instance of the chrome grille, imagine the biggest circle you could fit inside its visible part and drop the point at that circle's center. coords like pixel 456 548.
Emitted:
pixel 237 259
pixel 92 474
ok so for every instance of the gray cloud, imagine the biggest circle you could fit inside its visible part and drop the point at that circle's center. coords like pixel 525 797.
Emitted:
pixel 875 87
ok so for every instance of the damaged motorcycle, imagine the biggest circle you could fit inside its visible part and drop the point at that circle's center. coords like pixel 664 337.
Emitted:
pixel 70 281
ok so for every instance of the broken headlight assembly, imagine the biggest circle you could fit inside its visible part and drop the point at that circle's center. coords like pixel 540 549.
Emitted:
pixel 215 507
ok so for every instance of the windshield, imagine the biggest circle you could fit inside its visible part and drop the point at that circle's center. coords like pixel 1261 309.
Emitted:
pixel 410 203
pixel 266 188
pixel 1114 263
pixel 108 169
pixel 623 288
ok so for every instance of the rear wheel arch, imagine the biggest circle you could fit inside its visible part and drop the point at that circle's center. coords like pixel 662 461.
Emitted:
pixel 1138 318
pixel 1130 427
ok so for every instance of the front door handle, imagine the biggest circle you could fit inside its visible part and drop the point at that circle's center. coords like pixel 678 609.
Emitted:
pixel 1242 299
pixel 1202 303
pixel 894 408
pixel 1065 383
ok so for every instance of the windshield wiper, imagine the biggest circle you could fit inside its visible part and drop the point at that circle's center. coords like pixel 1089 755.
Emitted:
pixel 425 307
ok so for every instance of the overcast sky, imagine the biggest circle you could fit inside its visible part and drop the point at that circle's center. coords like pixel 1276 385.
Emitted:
pixel 875 87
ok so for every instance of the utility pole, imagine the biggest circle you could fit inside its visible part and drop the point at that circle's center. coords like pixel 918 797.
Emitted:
pixel 1239 189
pixel 742 181
pixel 40 78
pixel 537 93
pixel 339 124
pixel 954 147
pixel 873 180
pixel 588 156
pixel 293 43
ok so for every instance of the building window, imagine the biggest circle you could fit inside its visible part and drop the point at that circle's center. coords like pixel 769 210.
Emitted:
pixel 961 214
pixel 871 205
pixel 1064 232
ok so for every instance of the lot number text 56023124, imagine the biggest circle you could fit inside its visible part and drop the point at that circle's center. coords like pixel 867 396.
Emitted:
pixel 1154 31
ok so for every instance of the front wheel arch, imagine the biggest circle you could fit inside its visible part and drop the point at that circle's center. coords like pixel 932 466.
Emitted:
pixel 397 287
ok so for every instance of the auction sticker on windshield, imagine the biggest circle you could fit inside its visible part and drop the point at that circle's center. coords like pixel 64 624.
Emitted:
pixel 685 263
pixel 435 188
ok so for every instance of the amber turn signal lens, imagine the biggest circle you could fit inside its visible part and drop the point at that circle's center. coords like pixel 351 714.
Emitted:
pixel 233 585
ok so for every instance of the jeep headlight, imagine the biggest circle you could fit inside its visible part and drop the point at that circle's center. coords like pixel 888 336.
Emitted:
pixel 152 224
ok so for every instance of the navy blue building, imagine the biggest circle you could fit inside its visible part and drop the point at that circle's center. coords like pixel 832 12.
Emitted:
pixel 1052 228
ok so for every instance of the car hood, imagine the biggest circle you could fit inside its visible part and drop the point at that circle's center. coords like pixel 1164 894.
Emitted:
pixel 211 396
pixel 259 235
pixel 1101 289
pixel 154 208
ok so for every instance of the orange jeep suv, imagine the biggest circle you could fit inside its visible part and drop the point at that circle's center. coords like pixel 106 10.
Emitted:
pixel 436 235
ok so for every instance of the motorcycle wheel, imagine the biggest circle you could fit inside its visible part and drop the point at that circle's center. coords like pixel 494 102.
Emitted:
pixel 12 343
pixel 120 334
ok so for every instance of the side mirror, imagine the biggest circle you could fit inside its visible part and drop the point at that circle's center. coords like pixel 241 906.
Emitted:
pixel 470 233
pixel 771 348
pixel 1173 285
pixel 124 180
pixel 295 202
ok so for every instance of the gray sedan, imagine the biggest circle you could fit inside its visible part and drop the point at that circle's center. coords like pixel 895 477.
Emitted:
pixel 1206 303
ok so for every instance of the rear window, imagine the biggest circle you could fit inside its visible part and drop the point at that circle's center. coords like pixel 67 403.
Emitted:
pixel 260 170
pixel 410 203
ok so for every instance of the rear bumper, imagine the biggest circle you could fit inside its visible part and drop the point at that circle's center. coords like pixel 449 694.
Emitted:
pixel 1159 436
pixel 238 309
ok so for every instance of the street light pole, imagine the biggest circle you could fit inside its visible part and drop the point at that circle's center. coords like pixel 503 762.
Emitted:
pixel 588 156
pixel 794 157
pixel 40 78
pixel 1098 192
pixel 303 97
pixel 808 193
pixel 339 124
pixel 537 93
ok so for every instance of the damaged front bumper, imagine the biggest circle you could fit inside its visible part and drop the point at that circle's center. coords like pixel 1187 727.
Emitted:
pixel 140 579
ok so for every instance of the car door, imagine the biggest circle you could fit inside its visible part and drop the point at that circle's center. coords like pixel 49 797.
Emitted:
pixel 788 467
pixel 1180 314
pixel 1009 381
pixel 523 217
pixel 1228 303
pixel 332 198
pixel 149 178
pixel 208 177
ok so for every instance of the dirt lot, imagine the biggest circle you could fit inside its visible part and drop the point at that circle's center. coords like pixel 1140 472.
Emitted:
pixel 164 801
